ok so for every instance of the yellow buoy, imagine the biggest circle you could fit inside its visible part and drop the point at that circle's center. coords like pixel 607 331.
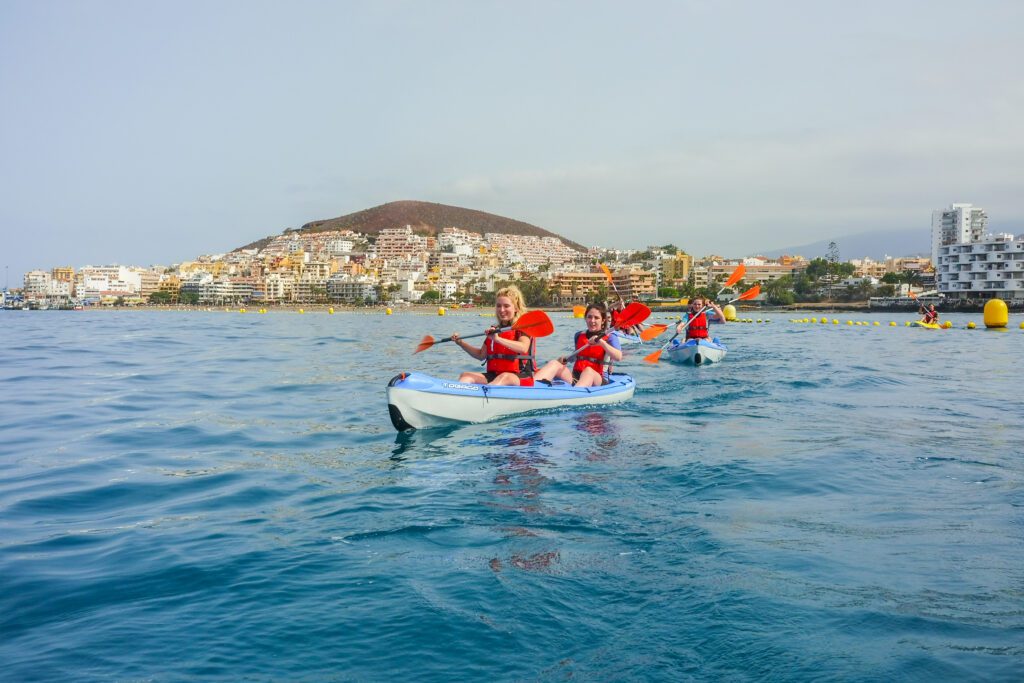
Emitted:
pixel 948 324
pixel 241 310
pixel 996 314
pixel 387 311
pixel 877 323
pixel 892 324
pixel 440 311
pixel 1022 326
pixel 730 312
pixel 331 310
pixel 908 323
pixel 849 322
pixel 302 310
pixel 971 325
pixel 835 321
pixel 823 321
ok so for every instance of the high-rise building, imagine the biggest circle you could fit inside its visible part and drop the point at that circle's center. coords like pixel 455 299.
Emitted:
pixel 959 224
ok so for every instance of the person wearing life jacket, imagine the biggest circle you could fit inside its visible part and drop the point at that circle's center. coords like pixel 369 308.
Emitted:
pixel 596 349
pixel 509 355
pixel 931 316
pixel 697 318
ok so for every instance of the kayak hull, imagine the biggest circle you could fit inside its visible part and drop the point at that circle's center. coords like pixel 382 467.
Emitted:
pixel 927 326
pixel 697 351
pixel 419 401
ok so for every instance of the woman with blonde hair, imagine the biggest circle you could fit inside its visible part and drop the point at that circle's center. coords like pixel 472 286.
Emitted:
pixel 509 354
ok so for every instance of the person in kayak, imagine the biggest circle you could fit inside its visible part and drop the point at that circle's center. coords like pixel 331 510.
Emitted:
pixel 615 309
pixel 596 350
pixel 931 316
pixel 509 355
pixel 698 328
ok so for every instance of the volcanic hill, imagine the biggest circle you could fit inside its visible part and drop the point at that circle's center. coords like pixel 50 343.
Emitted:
pixel 425 218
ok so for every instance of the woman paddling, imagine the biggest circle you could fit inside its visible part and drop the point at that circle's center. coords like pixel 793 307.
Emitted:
pixel 697 318
pixel 595 350
pixel 931 316
pixel 509 355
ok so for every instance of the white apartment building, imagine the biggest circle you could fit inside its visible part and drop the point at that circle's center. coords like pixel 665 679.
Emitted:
pixel 959 224
pixel 97 281
pixel 37 284
pixel 988 267
pixel 349 289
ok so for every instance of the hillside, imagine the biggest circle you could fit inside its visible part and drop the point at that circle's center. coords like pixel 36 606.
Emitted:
pixel 426 218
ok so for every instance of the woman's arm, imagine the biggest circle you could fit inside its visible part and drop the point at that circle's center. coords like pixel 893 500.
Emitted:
pixel 477 352
pixel 610 350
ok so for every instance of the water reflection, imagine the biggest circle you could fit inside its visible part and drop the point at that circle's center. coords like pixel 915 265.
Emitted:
pixel 517 452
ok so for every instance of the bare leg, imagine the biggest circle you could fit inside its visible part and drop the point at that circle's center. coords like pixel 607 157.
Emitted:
pixel 590 378
pixel 505 379
pixel 548 372
pixel 472 378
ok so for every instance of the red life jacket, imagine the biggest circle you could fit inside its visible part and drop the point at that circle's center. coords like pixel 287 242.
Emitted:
pixel 931 316
pixel 698 329
pixel 590 357
pixel 503 359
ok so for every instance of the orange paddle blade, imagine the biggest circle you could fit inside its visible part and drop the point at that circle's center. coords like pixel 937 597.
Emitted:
pixel 424 344
pixel 633 314
pixel 607 271
pixel 653 357
pixel 652 332
pixel 751 293
pixel 736 276
pixel 535 323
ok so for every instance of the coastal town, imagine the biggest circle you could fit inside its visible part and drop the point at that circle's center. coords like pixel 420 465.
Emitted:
pixel 460 266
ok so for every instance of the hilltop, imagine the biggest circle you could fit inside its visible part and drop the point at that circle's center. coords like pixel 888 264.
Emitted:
pixel 426 218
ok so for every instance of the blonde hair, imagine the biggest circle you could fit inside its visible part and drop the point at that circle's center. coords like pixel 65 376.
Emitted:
pixel 513 293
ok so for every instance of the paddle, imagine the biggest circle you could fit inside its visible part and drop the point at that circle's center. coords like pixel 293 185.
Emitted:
pixel 749 294
pixel 653 331
pixel 611 281
pixel 537 323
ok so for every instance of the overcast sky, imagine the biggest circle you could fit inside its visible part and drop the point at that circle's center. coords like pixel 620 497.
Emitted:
pixel 150 132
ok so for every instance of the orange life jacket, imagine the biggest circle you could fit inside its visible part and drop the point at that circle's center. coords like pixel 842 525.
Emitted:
pixel 590 357
pixel 698 329
pixel 503 359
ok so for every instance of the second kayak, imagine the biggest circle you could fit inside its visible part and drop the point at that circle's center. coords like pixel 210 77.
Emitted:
pixel 697 351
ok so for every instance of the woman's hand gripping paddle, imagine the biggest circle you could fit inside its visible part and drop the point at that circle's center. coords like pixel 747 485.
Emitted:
pixel 749 294
pixel 534 323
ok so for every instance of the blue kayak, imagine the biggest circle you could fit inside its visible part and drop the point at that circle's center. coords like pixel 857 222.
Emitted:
pixel 417 401
pixel 696 351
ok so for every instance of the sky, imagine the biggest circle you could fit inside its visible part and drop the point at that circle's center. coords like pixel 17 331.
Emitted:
pixel 151 132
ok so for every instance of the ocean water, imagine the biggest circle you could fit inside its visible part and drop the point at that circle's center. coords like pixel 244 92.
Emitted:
pixel 219 496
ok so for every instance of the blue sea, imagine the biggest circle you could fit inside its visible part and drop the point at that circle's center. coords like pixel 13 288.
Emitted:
pixel 219 496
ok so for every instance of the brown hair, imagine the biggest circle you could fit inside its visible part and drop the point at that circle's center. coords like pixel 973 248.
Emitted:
pixel 600 308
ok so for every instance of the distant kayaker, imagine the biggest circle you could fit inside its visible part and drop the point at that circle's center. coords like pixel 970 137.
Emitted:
pixel 509 355
pixel 596 350
pixel 931 316
pixel 697 318
pixel 615 309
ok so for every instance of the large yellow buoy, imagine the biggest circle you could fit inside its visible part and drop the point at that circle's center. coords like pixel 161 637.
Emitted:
pixel 440 311
pixel 730 312
pixel 996 314
pixel 387 311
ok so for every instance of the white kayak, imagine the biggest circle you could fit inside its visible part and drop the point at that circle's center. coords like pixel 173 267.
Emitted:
pixel 418 401
pixel 696 351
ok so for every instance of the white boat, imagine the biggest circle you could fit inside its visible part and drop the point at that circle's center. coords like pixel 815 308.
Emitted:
pixel 696 351
pixel 418 401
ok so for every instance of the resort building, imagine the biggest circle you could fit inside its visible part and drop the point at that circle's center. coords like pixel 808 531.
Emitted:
pixel 984 268
pixel 959 224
